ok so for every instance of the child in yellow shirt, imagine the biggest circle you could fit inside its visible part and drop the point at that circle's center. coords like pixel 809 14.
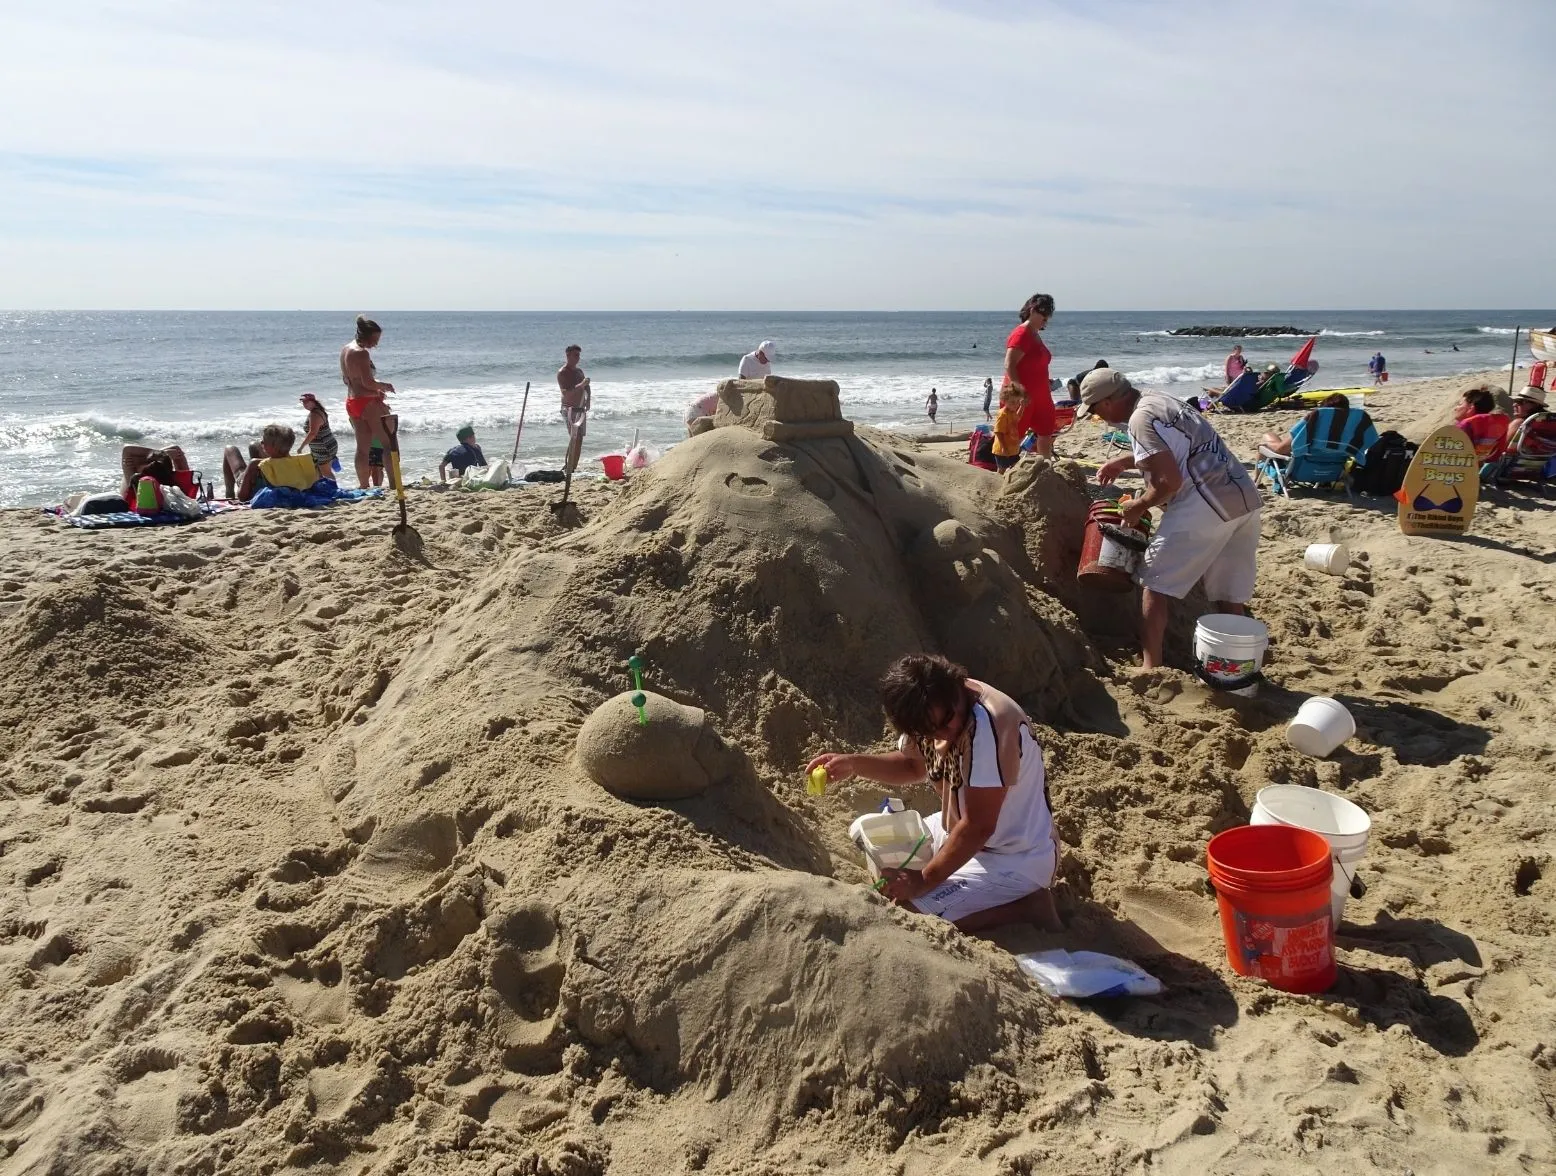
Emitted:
pixel 1007 429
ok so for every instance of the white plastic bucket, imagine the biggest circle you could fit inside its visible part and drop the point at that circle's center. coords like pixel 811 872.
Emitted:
pixel 1329 558
pixel 1229 650
pixel 892 841
pixel 1321 725
pixel 1344 825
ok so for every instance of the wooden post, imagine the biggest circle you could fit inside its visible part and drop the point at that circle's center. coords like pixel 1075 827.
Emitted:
pixel 520 433
pixel 1514 371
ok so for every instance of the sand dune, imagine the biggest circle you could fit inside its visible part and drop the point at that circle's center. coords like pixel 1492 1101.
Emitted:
pixel 299 869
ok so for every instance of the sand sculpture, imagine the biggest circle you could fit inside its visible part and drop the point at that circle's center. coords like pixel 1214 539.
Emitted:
pixel 675 754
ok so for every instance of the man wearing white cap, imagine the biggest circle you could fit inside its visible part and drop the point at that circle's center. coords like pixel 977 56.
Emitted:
pixel 1210 510
pixel 758 364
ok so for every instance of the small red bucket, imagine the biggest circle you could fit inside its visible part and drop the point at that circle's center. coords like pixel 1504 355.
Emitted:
pixel 615 465
pixel 1272 886
pixel 1110 552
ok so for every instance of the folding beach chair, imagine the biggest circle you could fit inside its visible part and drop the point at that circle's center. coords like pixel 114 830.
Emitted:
pixel 1324 444
pixel 1531 457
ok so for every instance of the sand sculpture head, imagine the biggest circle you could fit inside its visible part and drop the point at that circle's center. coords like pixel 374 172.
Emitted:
pixel 674 755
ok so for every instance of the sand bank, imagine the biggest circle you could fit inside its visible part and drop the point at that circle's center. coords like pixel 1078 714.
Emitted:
pixel 299 869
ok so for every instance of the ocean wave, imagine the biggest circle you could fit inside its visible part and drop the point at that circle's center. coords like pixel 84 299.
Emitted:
pixel 1350 334
pixel 1173 374
pixel 1496 330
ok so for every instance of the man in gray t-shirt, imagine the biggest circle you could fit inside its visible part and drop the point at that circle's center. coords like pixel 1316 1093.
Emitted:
pixel 1210 510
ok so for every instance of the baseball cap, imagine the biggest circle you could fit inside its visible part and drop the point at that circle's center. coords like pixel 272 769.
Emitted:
pixel 767 349
pixel 1099 385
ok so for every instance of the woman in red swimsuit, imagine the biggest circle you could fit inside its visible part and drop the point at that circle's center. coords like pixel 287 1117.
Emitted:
pixel 1026 367
pixel 365 393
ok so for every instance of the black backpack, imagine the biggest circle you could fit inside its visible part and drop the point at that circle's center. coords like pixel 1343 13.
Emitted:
pixel 1382 471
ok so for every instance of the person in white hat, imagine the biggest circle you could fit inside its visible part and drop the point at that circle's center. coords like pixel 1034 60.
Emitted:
pixel 1209 528
pixel 758 364
pixel 1528 408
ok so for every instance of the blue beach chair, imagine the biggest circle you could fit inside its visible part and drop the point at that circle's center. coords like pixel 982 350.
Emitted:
pixel 1324 444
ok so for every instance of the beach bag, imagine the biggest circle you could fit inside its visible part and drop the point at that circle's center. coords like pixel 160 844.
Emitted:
pixel 1382 471
pixel 175 501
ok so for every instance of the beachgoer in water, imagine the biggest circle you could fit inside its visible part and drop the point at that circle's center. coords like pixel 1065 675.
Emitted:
pixel 932 405
pixel 1209 528
pixel 1026 367
pixel 993 847
pixel 1281 442
pixel 466 455
pixel 319 440
pixel 758 364
pixel 1236 365
pixel 1486 428
pixel 244 479
pixel 988 394
pixel 365 392
pixel 134 460
pixel 576 398
pixel 1007 429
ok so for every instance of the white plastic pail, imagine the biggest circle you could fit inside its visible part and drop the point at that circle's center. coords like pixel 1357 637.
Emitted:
pixel 1330 558
pixel 1321 725
pixel 1229 650
pixel 1344 825
pixel 888 841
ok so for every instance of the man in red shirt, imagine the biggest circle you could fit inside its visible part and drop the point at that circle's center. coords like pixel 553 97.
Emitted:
pixel 1026 367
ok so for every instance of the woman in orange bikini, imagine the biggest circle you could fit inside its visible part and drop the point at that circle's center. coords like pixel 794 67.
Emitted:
pixel 365 393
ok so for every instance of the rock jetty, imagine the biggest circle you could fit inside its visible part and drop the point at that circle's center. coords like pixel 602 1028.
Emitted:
pixel 1240 332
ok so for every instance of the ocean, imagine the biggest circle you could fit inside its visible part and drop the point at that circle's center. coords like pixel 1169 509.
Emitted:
pixel 76 386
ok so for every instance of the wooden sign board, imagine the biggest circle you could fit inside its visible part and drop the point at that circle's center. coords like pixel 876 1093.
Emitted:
pixel 1441 485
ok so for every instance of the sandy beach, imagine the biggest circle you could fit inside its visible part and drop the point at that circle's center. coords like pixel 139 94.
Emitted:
pixel 299 869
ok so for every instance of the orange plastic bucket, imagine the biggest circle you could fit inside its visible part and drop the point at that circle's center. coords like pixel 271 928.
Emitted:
pixel 1272 885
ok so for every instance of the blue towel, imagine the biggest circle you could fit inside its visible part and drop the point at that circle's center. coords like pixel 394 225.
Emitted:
pixel 321 494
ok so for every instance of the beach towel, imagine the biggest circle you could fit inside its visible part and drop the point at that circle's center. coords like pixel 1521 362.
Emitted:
pixel 129 518
pixel 322 493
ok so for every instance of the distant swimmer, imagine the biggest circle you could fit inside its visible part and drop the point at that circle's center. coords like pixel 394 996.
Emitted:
pixel 758 364
pixel 576 394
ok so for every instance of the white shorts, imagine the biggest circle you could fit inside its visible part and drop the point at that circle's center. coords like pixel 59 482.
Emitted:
pixel 1223 554
pixel 988 880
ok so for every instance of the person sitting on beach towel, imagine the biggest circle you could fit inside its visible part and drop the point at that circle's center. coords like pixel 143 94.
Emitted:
pixel 243 479
pixel 137 461
pixel 466 455
pixel 993 842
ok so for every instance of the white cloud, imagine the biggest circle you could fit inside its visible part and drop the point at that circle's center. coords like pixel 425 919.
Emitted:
pixel 875 154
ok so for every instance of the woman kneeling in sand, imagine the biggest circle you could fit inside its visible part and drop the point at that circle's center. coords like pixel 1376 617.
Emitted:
pixel 994 846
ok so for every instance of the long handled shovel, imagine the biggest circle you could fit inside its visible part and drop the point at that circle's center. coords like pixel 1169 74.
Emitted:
pixel 520 433
pixel 404 534
pixel 574 448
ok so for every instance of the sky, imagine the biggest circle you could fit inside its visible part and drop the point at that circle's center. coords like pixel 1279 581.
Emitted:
pixel 867 154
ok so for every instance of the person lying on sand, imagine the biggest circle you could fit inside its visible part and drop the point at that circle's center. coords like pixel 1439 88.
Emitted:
pixel 994 847
pixel 241 478
pixel 1281 442
pixel 134 460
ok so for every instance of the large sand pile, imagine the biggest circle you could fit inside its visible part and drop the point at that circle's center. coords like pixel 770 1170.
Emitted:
pixel 303 869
